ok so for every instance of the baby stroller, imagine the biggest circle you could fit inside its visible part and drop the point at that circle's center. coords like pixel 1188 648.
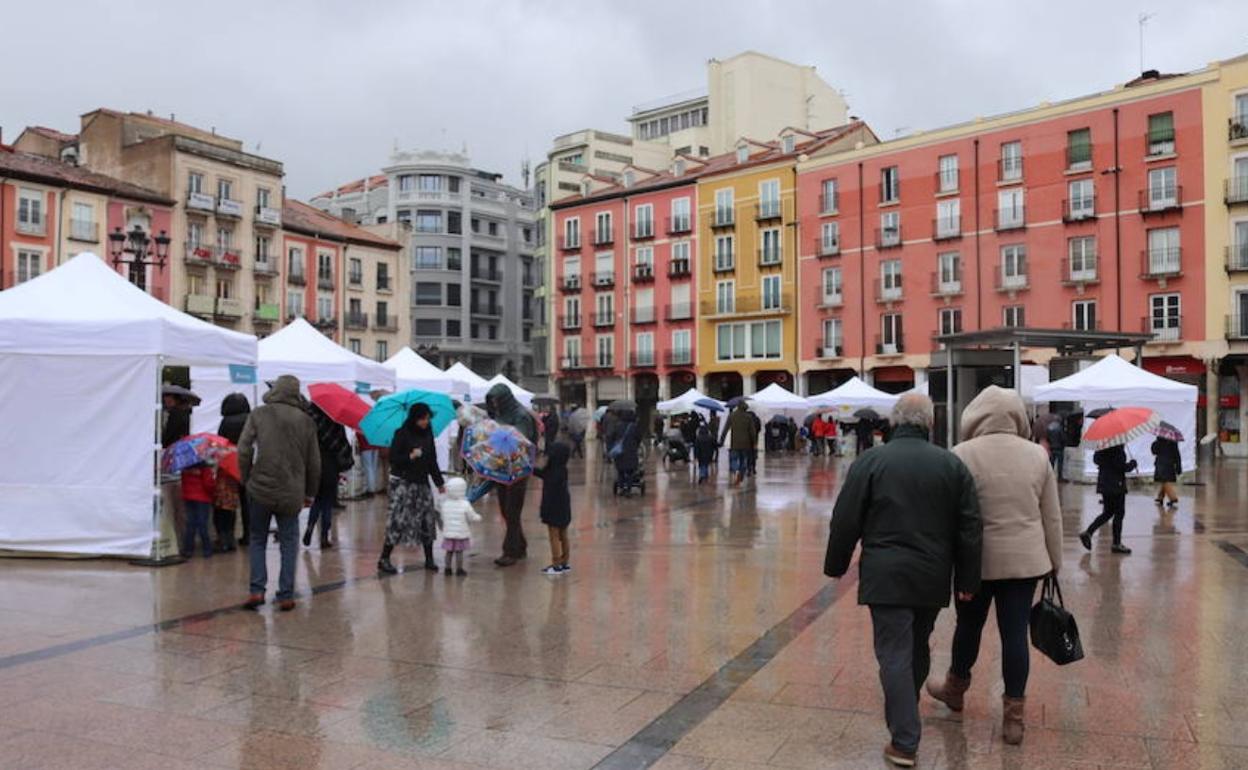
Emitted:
pixel 626 455
pixel 675 450
pixel 628 480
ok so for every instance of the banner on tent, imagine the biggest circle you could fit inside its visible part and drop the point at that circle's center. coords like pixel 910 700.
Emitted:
pixel 362 387
pixel 241 374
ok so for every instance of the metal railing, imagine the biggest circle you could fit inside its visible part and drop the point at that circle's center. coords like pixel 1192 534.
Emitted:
pixel 644 314
pixel 84 230
pixel 679 268
pixel 604 237
pixel 570 363
pixel 1078 209
pixel 297 277
pixel 567 322
pixel 947 228
pixel 1154 200
pixel 679 357
pixel 945 184
pixel 486 274
pixel 324 280
pixel 724 217
pixel 355 320
pixel 769 257
pixel 643 229
pixel 386 323
pixel 1009 170
pixel 227 257
pixel 751 304
pixel 604 319
pixel 1237 128
pixel 643 273
pixel 263 265
pixel 834 348
pixel 569 244
pixel 764 210
pixel 1237 327
pixel 571 283
pixel 1015 280
pixel 677 225
pixel 1084 274
pixel 1009 219
pixel 1236 190
pixel 888 237
pixel 831 300
pixel 679 311
pixel 1164 262
pixel 604 278
pixel 825 247
pixel 945 284
pixel 642 359
pixel 198 253
pixel 1168 328
pixel 485 310
pixel 894 346
pixel 1236 257
pixel 890 292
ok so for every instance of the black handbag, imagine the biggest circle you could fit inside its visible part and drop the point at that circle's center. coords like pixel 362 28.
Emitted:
pixel 1053 629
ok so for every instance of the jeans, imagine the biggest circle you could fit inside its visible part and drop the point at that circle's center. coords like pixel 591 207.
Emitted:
pixel 704 471
pixel 738 460
pixel 1113 508
pixel 197 516
pixel 901 648
pixel 322 510
pixel 511 505
pixel 288 540
pixel 372 464
pixel 1013 599
pixel 1057 458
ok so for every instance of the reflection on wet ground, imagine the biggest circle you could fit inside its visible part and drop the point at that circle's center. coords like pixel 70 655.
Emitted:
pixel 696 631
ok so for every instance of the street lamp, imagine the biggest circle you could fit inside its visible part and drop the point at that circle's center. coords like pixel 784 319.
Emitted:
pixel 138 246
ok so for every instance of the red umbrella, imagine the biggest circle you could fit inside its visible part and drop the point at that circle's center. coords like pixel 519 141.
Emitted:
pixel 1121 426
pixel 339 404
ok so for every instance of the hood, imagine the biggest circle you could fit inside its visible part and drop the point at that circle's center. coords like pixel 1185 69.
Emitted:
pixel 557 454
pixel 500 399
pixel 235 404
pixel 456 488
pixel 995 410
pixel 285 390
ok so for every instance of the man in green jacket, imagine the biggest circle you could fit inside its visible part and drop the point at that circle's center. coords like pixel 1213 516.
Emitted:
pixel 742 436
pixel 280 462
pixel 913 507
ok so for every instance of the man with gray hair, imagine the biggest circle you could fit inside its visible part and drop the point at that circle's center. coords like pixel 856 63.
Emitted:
pixel 914 509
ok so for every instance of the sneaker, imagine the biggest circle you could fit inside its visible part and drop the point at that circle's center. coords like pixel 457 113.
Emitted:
pixel 898 757
pixel 565 568
pixel 1120 549
pixel 253 601
pixel 552 570
pixel 1086 539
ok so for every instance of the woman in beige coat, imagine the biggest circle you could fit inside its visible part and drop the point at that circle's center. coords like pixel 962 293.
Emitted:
pixel 1022 543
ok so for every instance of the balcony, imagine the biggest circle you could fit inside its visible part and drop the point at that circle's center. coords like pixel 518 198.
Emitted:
pixel 39 227
pixel 1009 170
pixel 571 363
pixel 1237 327
pixel 1237 129
pixel 227 258
pixel 1011 281
pixel 831 300
pixel 643 273
pixel 947 182
pixel 888 293
pixel 642 359
pixel 1161 263
pixel 263 266
pixel 604 279
pixel 571 283
pixel 644 314
pixel 229 308
pixel 750 304
pixel 1082 274
pixel 485 310
pixel 1236 190
pixel 1165 329
pixel 297 277
pixel 324 280
pixel 198 254
pixel 1079 210
pixel 679 268
pixel 1236 258
pixel 229 208
pixel 767 210
pixel 266 313
pixel 201 305
pixel 487 275
pixel 829 349
pixel 201 202
pixel 604 319
pixel 410 193
pixel 84 230
pixel 679 357
pixel 386 323
pixel 829 204
pixel 947 228
pixel 724 263
pixel 827 247
pixel 769 257
pixel 570 322
pixel 355 280
pixel 1161 200
pixel 604 237
pixel 946 283
pixel 894 346
pixel 569 244
pixel 643 230
pixel 724 217
pixel 326 323
pixel 1009 219
pixel 268 217
pixel 356 321
pixel 679 311
pixel 604 361
pixel 888 237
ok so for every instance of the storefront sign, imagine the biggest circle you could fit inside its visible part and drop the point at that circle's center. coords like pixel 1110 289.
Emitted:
pixel 1168 366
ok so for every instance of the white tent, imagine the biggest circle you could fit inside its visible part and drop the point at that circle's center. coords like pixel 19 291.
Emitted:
pixel 523 396
pixel 852 395
pixel 413 371
pixel 477 384
pixel 685 403
pixel 1113 381
pixel 81 351
pixel 774 399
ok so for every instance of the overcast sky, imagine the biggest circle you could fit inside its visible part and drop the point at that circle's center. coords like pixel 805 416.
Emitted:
pixel 329 87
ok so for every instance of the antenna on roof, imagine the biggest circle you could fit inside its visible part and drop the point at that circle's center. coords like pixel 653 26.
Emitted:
pixel 1143 18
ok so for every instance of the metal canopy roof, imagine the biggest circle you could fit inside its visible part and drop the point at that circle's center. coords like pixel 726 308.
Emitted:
pixel 1064 340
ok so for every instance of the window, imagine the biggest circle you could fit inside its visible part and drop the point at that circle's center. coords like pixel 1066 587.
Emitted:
pixel 454 328
pixel 680 215
pixel 1165 320
pixel 224 237
pixel 1161 133
pixel 1014 316
pixel 949 272
pixel 429 183
pixel 453 295
pixel 743 153
pixel 947 175
pixel 605 345
pixel 355 345
pixel 427 257
pixel 771 292
pixel 474 331
pixel 572 352
pixel 1082 199
pixel 29 265
pixel 602 227
pixel 1079 149
pixel 294 261
pixel 572 233
pixel 1164 255
pixel 890 185
pixel 604 309
pixel 643 306
pixel 1084 315
pixel 948 218
pixel 82 222
pixel 681 307
pixel 428 293
pixel 788 144
pixel 682 347
pixel 1013 266
pixel 454 223
pixel 644 256
pixel 752 340
pixel 604 267
pixel 1239 246
pixel 950 320
pixel 1011 161
pixel 829 197
pixel 262 197
pixel 407 183
pixel 324 307
pixel 262 250
pixel 492 228
pixel 383 314
pixel 725 296
pixel 680 255
pixel 724 206
pixel 194 234
pixel 454 258
pixel 833 337
pixel 771 247
pixel 195 285
pixel 571 312
pixel 572 270
pixel 1163 189
pixel 1241 113
pixel 30 211
pixel 355 308
pixel 324 263
pixel 724 259
pixel 645 349
pixel 644 227
pixel 294 303
pixel 890 228
pixel 225 189
pixel 225 288
pixel 383 350
pixel 355 271
pixel 890 279
pixel 830 238
pixel 890 333
pixel 832 287
pixel 769 198
pixel 1082 251
pixel 194 183
pixel 428 221
pixel 1010 208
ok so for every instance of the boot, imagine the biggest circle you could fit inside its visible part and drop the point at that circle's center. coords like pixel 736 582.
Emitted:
pixel 383 564
pixel 951 691
pixel 1012 722
pixel 430 564
pixel 307 536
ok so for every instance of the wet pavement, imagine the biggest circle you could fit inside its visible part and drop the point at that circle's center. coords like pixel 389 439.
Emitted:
pixel 695 631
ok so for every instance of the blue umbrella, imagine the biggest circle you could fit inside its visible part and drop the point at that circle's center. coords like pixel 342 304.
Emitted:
pixel 709 403
pixel 390 413
pixel 732 402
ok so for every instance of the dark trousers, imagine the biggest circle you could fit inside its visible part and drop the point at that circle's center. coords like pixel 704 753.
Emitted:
pixel 1057 458
pixel 1013 599
pixel 1113 508
pixel 511 505
pixel 223 523
pixel 197 515
pixel 323 511
pixel 901 648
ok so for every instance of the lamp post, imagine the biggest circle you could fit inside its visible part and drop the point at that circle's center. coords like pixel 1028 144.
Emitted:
pixel 138 250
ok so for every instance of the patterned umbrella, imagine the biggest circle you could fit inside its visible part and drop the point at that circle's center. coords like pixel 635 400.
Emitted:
pixel 379 425
pixel 497 452
pixel 200 448
pixel 1167 431
pixel 1121 426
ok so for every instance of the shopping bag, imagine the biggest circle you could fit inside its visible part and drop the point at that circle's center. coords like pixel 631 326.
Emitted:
pixel 1053 629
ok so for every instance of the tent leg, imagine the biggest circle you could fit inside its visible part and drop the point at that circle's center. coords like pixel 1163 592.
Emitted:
pixel 160 556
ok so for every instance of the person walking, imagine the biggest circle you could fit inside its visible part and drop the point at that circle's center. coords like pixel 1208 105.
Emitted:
pixel 1022 519
pixel 913 507
pixel 503 408
pixel 1167 467
pixel 864 432
pixel 456 513
pixel 280 463
pixel 556 508
pixel 336 457
pixel 739 429
pixel 1055 436
pixel 229 501
pixel 704 452
pixel 413 518
pixel 1111 483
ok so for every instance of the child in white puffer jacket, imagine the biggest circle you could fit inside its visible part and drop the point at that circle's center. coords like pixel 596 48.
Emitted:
pixel 456 513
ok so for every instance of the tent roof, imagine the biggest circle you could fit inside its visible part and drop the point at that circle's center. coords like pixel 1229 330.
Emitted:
pixel 301 350
pixel 86 308
pixel 854 393
pixel 683 402
pixel 1113 380
pixel 414 371
pixel 776 398
pixel 464 373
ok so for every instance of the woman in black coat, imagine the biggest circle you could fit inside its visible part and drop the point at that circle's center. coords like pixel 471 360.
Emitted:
pixel 1111 482
pixel 556 510
pixel 336 458
pixel 1167 467
pixel 413 464
pixel 230 498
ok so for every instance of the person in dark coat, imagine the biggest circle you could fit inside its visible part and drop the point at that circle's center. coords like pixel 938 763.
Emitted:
pixel 177 419
pixel 550 427
pixel 556 510
pixel 1167 467
pixel 689 429
pixel 627 436
pixel 336 457
pixel 229 500
pixel 502 406
pixel 1111 483
pixel 413 518
pixel 864 432
pixel 704 452
pixel 742 439
pixel 913 507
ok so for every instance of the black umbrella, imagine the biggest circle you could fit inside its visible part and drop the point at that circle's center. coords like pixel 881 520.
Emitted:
pixel 180 392
pixel 867 413
pixel 622 405
pixel 1092 415
pixel 545 400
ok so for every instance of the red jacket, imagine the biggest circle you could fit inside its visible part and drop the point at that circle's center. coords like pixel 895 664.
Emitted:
pixel 198 484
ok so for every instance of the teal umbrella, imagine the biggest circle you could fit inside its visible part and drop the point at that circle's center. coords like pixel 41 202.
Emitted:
pixel 390 413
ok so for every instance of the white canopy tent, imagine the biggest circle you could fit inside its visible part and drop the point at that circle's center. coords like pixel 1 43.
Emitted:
pixel 477 384
pixel 81 352
pixel 774 399
pixel 413 371
pixel 1112 382
pixel 684 403
pixel 523 396
pixel 852 395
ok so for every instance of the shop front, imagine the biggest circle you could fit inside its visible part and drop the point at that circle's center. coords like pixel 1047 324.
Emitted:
pixel 893 379
pixel 1190 371
pixel 823 380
